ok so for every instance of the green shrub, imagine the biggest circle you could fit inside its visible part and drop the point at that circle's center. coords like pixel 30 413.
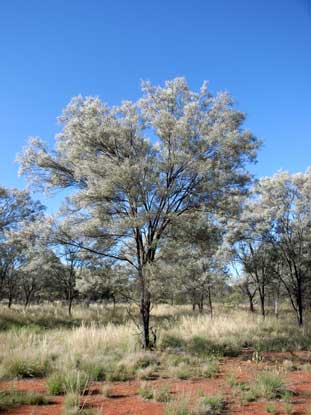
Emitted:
pixel 13 398
pixel 120 373
pixel 18 367
pixel 208 369
pixel 162 393
pixel 179 406
pixel 232 380
pixel 72 382
pixel 250 395
pixel 199 345
pixel 147 373
pixel 172 342
pixel 269 385
pixel 144 360
pixel 145 391
pixel 210 405
pixel 271 408
pixel 56 384
pixel 288 407
pixel 76 381
pixel 182 371
pixel 203 347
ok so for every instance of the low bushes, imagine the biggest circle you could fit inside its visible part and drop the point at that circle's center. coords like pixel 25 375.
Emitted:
pixel 12 398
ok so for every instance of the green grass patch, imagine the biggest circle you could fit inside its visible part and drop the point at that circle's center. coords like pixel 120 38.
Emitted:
pixel 12 398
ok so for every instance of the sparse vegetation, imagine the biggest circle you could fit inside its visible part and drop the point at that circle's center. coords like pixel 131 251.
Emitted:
pixel 72 358
pixel 209 405
pixel 178 406
pixel 12 398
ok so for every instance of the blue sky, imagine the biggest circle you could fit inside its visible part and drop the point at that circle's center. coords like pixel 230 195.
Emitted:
pixel 259 50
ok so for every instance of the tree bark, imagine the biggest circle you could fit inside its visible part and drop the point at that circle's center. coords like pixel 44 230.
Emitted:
pixel 251 304
pixel 299 303
pixel 210 303
pixel 145 318
pixel 201 303
pixel 262 305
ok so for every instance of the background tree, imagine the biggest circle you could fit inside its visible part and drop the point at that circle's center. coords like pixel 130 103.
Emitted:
pixel 17 211
pixel 283 222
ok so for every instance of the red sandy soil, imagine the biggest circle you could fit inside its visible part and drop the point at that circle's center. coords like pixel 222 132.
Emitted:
pixel 126 401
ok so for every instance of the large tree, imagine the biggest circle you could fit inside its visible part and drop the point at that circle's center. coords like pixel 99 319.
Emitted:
pixel 140 166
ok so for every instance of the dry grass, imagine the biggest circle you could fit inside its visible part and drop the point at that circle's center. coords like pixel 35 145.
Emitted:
pixel 94 344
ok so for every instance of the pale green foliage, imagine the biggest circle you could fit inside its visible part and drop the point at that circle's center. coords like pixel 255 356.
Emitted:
pixel 276 224
pixel 17 212
pixel 139 167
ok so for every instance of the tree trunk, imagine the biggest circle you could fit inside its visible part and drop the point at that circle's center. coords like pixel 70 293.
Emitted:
pixel 201 303
pixel 299 304
pixel 276 300
pixel 26 303
pixel 251 303
pixel 70 306
pixel 210 303
pixel 145 318
pixel 276 307
pixel 262 305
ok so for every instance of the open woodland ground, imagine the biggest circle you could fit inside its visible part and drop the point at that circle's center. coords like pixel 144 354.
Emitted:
pixel 235 363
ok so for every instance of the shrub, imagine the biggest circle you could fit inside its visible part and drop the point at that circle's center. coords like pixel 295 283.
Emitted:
pixel 249 395
pixel 201 346
pixel 232 380
pixel 120 373
pixel 106 390
pixel 210 405
pixel 72 382
pixel 271 408
pixel 75 382
pixel 147 373
pixel 208 369
pixel 162 393
pixel 269 385
pixel 56 384
pixel 19 367
pixel 182 371
pixel 145 391
pixel 179 406
pixel 172 342
pixel 13 398
pixel 143 360
pixel 71 404
pixel 288 407
pixel 95 370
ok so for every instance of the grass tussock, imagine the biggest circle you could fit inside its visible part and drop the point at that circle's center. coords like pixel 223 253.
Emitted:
pixel 12 398
pixel 72 382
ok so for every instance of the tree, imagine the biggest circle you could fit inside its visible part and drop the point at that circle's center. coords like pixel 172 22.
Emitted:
pixel 193 256
pixel 284 223
pixel 138 167
pixel 246 286
pixel 98 282
pixel 67 266
pixel 17 211
pixel 35 275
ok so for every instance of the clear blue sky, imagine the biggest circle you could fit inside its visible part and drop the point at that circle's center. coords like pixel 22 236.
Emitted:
pixel 259 50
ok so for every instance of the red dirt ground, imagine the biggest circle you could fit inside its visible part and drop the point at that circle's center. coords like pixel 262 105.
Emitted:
pixel 126 401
